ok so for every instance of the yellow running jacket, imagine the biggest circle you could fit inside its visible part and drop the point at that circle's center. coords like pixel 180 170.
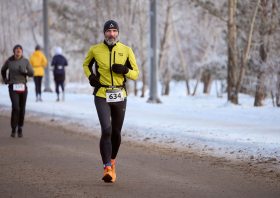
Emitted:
pixel 104 58
pixel 38 62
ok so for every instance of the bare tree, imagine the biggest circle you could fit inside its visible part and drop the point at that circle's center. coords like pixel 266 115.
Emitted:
pixel 264 49
pixel 234 98
pixel 232 52
pixel 143 57
pixel 164 48
pixel 183 65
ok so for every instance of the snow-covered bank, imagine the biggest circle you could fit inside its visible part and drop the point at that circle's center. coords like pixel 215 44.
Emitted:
pixel 203 123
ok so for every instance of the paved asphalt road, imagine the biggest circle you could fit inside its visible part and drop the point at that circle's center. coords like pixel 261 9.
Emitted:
pixel 52 162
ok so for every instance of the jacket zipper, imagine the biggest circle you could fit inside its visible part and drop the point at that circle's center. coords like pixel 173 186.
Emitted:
pixel 111 67
pixel 114 56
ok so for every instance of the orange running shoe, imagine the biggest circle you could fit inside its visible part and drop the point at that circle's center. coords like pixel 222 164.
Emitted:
pixel 114 176
pixel 107 176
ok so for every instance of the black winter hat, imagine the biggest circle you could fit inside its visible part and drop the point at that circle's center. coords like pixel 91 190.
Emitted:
pixel 110 25
pixel 37 47
pixel 16 47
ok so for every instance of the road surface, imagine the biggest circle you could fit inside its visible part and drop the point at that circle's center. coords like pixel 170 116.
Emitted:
pixel 54 162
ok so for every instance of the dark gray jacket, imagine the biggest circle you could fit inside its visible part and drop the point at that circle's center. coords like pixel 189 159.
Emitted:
pixel 15 75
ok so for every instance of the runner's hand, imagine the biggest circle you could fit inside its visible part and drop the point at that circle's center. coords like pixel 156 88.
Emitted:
pixel 93 80
pixel 6 81
pixel 120 69
pixel 23 71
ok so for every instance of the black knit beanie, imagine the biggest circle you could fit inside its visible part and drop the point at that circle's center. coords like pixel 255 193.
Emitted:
pixel 37 47
pixel 110 25
pixel 16 47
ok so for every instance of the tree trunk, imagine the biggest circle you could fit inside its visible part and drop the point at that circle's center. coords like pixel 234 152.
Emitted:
pixel 272 97
pixel 198 80
pixel 264 51
pixel 201 69
pixel 207 81
pixel 143 65
pixel 165 40
pixel 167 88
pixel 232 55
pixel 164 47
pixel 260 92
pixel 144 83
pixel 234 98
pixel 135 87
pixel 183 66
pixel 278 90
pixel 278 100
pixel 166 81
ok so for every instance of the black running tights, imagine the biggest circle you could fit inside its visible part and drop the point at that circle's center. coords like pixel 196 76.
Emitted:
pixel 18 106
pixel 111 117
pixel 38 84
pixel 57 84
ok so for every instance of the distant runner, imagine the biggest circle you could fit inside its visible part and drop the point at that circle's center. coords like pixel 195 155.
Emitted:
pixel 113 63
pixel 59 63
pixel 38 62
pixel 19 67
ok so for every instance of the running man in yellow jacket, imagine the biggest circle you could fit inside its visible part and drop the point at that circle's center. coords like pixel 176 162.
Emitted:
pixel 38 62
pixel 114 62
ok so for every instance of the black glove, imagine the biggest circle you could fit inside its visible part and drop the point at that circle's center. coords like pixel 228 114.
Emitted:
pixel 23 71
pixel 6 81
pixel 120 69
pixel 93 80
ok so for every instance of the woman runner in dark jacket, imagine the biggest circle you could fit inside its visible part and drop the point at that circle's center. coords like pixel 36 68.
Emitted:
pixel 19 67
pixel 59 62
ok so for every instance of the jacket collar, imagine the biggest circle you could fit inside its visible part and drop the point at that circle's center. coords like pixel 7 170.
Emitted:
pixel 12 58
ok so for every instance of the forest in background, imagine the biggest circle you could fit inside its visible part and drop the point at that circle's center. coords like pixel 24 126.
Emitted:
pixel 232 42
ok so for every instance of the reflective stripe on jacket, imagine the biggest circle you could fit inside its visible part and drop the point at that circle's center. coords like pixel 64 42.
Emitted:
pixel 104 58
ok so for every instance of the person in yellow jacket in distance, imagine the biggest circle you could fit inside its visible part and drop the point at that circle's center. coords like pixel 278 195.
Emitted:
pixel 38 61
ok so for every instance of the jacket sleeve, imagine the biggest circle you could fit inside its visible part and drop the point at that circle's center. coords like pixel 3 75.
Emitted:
pixel 30 71
pixel 3 70
pixel 44 61
pixel 31 60
pixel 88 63
pixel 132 65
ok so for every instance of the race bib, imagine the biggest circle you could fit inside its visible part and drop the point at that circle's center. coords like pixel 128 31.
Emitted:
pixel 19 87
pixel 60 67
pixel 114 95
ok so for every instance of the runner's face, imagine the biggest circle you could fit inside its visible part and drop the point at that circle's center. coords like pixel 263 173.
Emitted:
pixel 112 34
pixel 18 52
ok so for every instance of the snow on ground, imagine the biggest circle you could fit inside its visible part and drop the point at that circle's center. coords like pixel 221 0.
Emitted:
pixel 203 123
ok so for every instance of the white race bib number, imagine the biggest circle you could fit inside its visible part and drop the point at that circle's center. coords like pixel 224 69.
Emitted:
pixel 18 87
pixel 114 95
pixel 60 67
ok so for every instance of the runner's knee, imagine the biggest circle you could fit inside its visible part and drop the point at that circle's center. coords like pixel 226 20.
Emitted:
pixel 106 134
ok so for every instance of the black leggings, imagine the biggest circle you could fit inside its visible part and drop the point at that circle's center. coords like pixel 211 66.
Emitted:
pixel 111 117
pixel 38 83
pixel 57 84
pixel 18 106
